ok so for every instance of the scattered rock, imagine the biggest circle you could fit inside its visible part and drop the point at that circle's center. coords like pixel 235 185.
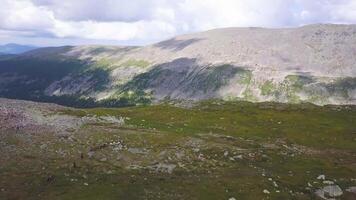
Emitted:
pixel 266 191
pixel 201 157
pixel 119 157
pixel 232 198
pixel 238 157
pixel 162 153
pixel 112 119
pixel 180 154
pixel 91 154
pixel 162 167
pixel 328 182
pixel 321 177
pixel 137 150
pixel 135 167
pixel 117 148
pixel 275 184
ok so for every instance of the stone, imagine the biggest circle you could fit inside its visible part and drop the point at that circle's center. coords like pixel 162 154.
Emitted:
pixel 333 191
pixel 43 146
pixel 275 184
pixel 321 177
pixel 91 154
pixel 137 150
pixel 328 182
pixel 329 192
pixel 237 157
pixel 351 189
pixel 266 191
pixel 164 168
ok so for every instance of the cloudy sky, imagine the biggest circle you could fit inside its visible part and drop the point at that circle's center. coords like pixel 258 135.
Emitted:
pixel 140 22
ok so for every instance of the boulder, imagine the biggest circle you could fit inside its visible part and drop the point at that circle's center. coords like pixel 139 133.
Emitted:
pixel 329 192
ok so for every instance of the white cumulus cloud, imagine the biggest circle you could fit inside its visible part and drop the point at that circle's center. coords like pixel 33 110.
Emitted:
pixel 146 21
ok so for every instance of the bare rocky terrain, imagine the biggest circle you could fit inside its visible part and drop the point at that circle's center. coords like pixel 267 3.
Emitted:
pixel 314 63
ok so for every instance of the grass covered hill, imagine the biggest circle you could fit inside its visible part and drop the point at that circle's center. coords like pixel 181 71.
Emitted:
pixel 212 150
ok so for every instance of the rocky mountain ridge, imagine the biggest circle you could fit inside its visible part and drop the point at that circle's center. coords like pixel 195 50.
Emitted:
pixel 314 63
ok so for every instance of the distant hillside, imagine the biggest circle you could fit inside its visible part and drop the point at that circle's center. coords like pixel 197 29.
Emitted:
pixel 15 48
pixel 315 63
pixel 6 56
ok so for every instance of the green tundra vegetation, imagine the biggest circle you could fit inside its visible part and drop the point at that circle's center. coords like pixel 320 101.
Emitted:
pixel 211 150
pixel 136 63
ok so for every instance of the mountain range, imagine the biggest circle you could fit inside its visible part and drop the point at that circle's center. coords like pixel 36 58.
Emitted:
pixel 12 48
pixel 314 63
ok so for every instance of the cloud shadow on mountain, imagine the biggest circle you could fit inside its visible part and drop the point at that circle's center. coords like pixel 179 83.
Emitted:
pixel 184 78
pixel 176 45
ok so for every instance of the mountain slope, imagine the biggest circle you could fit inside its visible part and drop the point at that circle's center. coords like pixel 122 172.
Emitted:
pixel 314 64
pixel 213 150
